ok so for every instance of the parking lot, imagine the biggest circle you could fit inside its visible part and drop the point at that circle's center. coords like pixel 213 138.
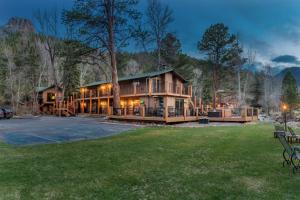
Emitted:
pixel 44 130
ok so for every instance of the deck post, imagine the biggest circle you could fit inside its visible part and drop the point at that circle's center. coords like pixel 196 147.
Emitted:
pixel 90 102
pixel 125 111
pixel 108 107
pixel 184 113
pixel 98 107
pixel 180 89
pixel 150 86
pixel 143 111
pixel 82 102
pixel 190 90
pixel 134 88
pixel 166 109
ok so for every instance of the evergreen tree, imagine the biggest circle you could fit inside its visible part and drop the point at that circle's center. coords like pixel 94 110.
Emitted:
pixel 290 90
pixel 171 49
pixel 216 43
pixel 71 52
pixel 256 91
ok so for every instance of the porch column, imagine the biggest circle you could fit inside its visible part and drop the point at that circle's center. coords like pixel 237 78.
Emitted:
pixel 166 114
pixel 98 107
pixel 108 107
pixel 180 89
pixel 150 86
pixel 143 111
pixel 82 102
pixel 90 102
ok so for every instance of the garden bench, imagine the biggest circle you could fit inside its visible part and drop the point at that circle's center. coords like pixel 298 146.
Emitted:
pixel 293 135
pixel 291 154
pixel 278 128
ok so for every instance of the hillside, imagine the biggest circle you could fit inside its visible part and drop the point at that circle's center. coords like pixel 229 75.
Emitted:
pixel 294 70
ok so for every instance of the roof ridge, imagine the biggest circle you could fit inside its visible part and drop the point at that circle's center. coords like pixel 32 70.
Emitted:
pixel 135 76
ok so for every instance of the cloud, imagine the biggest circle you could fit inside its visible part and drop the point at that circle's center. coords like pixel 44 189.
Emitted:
pixel 286 59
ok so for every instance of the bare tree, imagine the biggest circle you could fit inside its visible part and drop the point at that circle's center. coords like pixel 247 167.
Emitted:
pixel 48 28
pixel 159 18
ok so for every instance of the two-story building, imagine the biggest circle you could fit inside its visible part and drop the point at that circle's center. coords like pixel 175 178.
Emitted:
pixel 162 96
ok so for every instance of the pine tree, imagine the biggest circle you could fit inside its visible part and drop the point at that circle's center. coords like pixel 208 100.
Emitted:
pixel 256 91
pixel 290 90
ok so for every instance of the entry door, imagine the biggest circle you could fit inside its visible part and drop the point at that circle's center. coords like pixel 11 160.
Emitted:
pixel 179 107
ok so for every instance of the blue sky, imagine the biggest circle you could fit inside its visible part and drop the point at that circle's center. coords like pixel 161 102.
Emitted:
pixel 270 27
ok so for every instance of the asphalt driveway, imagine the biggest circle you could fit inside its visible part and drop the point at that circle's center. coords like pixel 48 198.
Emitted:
pixel 44 130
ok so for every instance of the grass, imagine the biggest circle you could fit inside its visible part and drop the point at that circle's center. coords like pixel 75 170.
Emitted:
pixel 241 162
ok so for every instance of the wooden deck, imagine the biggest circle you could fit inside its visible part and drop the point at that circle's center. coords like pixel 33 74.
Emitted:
pixel 232 119
pixel 182 119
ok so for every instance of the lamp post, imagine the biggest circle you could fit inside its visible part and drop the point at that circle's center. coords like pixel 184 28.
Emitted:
pixel 284 107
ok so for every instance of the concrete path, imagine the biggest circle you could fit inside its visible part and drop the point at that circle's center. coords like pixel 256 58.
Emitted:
pixel 44 130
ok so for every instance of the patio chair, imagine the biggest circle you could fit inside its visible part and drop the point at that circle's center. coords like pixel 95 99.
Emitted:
pixel 291 154
pixel 278 128
pixel 293 135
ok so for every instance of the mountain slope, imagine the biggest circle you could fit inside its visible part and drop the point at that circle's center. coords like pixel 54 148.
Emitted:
pixel 295 71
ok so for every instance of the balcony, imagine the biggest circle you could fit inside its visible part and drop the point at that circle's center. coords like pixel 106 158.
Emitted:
pixel 137 89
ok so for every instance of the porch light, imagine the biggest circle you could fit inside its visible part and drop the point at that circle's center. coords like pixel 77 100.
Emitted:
pixel 102 87
pixel 284 107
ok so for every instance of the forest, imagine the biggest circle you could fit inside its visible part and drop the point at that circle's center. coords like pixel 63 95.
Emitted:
pixel 77 46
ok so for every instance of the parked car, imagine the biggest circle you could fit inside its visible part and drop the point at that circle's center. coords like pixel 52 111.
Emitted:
pixel 7 113
pixel 2 115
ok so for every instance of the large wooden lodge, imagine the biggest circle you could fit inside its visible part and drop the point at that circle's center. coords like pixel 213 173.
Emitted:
pixel 162 96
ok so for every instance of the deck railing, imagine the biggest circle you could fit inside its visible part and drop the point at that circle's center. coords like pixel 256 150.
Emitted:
pixel 136 90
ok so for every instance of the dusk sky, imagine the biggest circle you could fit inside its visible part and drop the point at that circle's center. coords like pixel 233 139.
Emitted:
pixel 270 27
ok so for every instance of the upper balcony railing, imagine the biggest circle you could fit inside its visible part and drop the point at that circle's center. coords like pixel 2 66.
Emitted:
pixel 137 89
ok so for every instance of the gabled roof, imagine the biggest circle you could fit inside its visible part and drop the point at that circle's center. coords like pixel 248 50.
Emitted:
pixel 42 89
pixel 138 76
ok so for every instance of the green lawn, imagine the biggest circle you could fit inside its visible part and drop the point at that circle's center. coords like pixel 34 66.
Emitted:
pixel 153 163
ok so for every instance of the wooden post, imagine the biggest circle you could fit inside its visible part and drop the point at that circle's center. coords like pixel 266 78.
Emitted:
pixel 90 101
pixel 195 105
pixel 143 111
pixel 190 90
pixel 82 101
pixel 99 103
pixel 166 115
pixel 180 89
pixel 150 86
pixel 108 107
pixel 134 88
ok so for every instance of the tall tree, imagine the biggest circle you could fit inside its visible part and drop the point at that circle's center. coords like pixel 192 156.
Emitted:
pixel 268 89
pixel 235 59
pixel 49 33
pixel 216 42
pixel 256 90
pixel 170 48
pixel 159 18
pixel 105 25
pixel 290 90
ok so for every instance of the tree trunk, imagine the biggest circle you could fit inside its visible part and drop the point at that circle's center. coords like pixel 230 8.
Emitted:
pixel 214 87
pixel 158 55
pixel 113 61
pixel 239 86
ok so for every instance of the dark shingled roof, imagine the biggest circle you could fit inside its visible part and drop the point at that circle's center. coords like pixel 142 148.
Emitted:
pixel 138 76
